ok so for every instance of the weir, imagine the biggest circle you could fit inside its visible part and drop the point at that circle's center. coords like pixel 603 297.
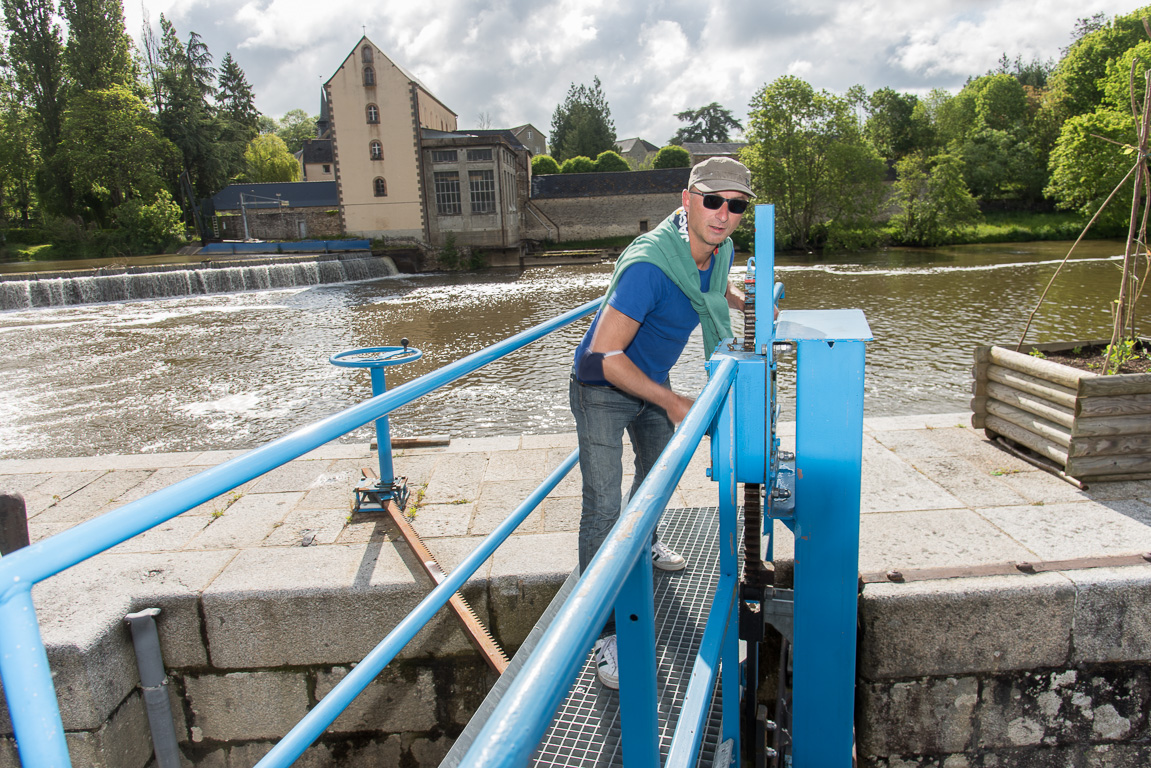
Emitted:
pixel 815 492
pixel 223 275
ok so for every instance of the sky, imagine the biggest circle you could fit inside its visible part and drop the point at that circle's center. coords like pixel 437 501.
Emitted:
pixel 513 61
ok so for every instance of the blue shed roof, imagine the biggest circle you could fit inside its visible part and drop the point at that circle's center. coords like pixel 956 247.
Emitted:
pixel 298 194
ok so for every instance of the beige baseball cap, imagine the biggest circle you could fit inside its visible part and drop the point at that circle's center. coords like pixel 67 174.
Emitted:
pixel 721 174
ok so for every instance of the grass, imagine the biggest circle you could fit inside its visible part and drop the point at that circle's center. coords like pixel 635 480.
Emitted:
pixel 1022 226
pixel 21 252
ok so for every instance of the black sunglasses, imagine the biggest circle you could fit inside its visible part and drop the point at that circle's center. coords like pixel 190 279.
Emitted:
pixel 715 202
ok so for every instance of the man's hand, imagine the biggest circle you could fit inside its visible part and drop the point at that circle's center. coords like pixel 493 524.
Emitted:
pixel 678 407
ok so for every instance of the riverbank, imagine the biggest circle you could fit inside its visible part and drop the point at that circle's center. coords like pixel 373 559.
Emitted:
pixel 270 593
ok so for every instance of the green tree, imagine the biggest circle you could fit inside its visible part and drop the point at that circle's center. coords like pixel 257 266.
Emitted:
pixel 708 124
pixel 296 127
pixel 892 126
pixel 267 159
pixel 35 53
pixel 932 199
pixel 610 161
pixel 99 52
pixel 111 143
pixel 672 156
pixel 579 164
pixel 1075 83
pixel 544 164
pixel 807 155
pixel 236 114
pixel 1095 150
pixel 19 156
pixel 151 226
pixel 582 124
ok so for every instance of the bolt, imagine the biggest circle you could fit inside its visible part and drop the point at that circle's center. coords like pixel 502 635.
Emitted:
pixel 1025 567
pixel 895 576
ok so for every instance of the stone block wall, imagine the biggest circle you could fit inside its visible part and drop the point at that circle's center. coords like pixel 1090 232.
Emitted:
pixel 1042 670
pixel 590 218
pixel 282 224
pixel 253 640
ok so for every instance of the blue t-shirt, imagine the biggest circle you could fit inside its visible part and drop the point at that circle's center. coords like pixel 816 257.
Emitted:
pixel 666 317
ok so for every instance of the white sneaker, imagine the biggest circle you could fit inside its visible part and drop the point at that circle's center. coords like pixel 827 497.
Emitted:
pixel 665 559
pixel 606 663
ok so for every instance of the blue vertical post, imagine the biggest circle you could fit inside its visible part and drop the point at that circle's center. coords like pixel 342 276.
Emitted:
pixel 723 472
pixel 635 635
pixel 383 435
pixel 28 685
pixel 764 280
pixel 829 448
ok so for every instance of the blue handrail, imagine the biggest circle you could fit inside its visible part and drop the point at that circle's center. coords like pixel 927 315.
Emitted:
pixel 517 724
pixel 28 685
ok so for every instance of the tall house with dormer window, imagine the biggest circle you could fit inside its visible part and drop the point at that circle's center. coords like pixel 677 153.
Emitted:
pixel 376 111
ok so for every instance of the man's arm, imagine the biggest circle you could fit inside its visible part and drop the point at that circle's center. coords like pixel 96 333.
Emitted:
pixel 614 332
pixel 735 297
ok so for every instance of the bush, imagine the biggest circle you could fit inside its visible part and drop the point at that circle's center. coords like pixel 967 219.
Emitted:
pixel 579 164
pixel 610 162
pixel 544 164
pixel 25 236
pixel 150 227
pixel 672 156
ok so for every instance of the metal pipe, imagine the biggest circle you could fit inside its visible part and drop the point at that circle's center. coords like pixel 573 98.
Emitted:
pixel 519 721
pixel 154 684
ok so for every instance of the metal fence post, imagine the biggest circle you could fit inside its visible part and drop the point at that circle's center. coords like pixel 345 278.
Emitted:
pixel 13 523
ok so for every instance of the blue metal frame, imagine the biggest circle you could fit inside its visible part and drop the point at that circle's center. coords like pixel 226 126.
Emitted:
pixel 737 408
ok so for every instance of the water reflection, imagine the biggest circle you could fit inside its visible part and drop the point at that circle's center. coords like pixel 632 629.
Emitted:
pixel 237 370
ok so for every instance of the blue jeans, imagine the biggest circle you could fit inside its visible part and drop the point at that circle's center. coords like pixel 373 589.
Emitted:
pixel 602 414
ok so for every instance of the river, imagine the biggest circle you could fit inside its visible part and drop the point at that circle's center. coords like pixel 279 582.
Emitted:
pixel 235 370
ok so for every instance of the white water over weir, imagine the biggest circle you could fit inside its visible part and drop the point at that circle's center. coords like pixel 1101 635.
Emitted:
pixel 110 284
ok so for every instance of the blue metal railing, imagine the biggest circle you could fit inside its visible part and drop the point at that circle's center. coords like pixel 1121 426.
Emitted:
pixel 27 678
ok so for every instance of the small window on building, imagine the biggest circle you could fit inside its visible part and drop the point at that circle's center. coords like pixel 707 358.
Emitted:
pixel 381 187
pixel 447 188
pixel 444 156
pixel 479 155
pixel 366 54
pixel 643 225
pixel 376 150
pixel 482 187
pixel 369 76
pixel 373 113
pixel 327 168
pixel 529 134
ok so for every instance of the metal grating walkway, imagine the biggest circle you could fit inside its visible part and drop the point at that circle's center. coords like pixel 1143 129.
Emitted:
pixel 586 729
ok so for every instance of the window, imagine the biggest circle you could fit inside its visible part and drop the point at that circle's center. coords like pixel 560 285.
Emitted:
pixel 373 113
pixel 529 135
pixel 369 76
pixel 381 187
pixel 482 186
pixel 643 225
pixel 447 187
pixel 376 150
pixel 479 155
pixel 327 168
pixel 443 156
pixel 366 54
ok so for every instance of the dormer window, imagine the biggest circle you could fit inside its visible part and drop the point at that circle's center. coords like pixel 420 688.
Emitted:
pixel 373 113
pixel 369 76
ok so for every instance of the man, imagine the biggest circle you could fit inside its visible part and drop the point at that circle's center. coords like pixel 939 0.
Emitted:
pixel 665 283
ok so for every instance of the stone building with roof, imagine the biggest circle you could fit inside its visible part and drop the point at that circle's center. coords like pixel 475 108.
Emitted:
pixel 636 151
pixel 584 206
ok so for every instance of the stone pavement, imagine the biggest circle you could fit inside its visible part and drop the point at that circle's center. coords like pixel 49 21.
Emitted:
pixel 935 493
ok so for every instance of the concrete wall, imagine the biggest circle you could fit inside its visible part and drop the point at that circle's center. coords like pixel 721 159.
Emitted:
pixel 1042 670
pixel 587 218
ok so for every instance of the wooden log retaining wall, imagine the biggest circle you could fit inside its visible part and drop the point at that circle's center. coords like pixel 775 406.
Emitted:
pixel 1093 427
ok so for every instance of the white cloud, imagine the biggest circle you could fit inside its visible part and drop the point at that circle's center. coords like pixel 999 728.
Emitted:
pixel 515 58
